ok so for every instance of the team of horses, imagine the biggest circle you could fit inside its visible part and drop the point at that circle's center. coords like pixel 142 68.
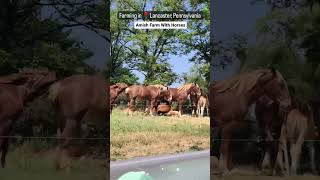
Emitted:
pixel 156 94
pixel 282 123
pixel 73 97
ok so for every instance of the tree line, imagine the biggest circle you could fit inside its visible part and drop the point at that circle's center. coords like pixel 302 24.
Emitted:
pixel 147 51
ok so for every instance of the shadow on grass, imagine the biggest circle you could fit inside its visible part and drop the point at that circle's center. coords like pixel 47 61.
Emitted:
pixel 23 163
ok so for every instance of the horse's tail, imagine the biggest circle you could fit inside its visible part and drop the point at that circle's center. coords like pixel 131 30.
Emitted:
pixel 53 91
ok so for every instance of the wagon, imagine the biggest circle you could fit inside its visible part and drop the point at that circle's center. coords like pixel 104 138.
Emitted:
pixel 163 108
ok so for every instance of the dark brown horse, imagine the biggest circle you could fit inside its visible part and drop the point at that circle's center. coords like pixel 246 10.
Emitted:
pixel 152 94
pixel 230 100
pixel 182 93
pixel 75 97
pixel 115 90
pixel 270 121
pixel 15 91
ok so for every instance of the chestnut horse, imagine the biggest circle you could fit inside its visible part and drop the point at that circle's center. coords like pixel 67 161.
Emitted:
pixel 298 127
pixel 15 91
pixel 74 98
pixel 181 94
pixel 153 94
pixel 231 98
pixel 115 90
pixel 203 103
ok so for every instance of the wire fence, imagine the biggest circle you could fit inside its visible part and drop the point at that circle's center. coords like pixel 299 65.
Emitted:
pixel 261 140
pixel 250 155
pixel 53 137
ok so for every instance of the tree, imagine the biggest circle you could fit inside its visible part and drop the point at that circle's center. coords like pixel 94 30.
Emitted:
pixel 197 37
pixel 196 75
pixel 287 40
pixel 27 39
pixel 147 51
pixel 119 34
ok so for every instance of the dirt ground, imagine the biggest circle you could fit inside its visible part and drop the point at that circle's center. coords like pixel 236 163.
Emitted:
pixel 247 173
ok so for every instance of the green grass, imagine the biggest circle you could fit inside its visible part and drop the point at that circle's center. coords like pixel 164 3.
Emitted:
pixel 123 124
pixel 140 135
pixel 22 164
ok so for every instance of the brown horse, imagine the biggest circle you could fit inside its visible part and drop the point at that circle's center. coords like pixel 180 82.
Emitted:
pixel 152 94
pixel 181 94
pixel 230 99
pixel 75 97
pixel 298 127
pixel 115 90
pixel 15 91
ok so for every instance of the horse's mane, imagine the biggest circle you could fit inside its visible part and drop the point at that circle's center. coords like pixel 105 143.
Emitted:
pixel 118 84
pixel 19 77
pixel 241 83
pixel 185 87
pixel 160 86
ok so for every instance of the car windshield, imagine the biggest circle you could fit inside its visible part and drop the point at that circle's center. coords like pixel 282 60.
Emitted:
pixel 195 166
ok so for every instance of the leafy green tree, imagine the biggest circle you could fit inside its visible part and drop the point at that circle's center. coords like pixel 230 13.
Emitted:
pixel 196 75
pixel 147 51
pixel 119 72
pixel 29 39
pixel 197 37
pixel 287 40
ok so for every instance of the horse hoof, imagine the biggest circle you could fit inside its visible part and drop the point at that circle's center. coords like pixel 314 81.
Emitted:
pixel 226 173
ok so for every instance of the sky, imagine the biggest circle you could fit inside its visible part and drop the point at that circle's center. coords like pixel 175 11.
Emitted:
pixel 233 16
pixel 179 64
pixel 91 41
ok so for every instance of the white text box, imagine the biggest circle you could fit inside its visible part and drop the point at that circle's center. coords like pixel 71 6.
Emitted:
pixel 160 25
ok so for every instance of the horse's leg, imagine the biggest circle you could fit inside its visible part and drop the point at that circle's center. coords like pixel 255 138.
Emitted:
pixel 71 130
pixel 207 108
pixel 279 160
pixel 180 109
pixel 312 157
pixel 153 107
pixel 194 108
pixel 269 149
pixel 198 110
pixel 282 152
pixel 147 110
pixel 225 145
pixel 131 106
pixel 202 111
pixel 4 141
pixel 192 111
pixel 296 153
pixel 4 147
pixel 273 154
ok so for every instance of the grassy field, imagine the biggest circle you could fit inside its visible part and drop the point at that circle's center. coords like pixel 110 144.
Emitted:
pixel 141 135
pixel 25 164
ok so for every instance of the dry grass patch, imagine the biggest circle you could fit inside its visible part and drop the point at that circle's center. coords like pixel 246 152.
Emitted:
pixel 141 135
pixel 148 144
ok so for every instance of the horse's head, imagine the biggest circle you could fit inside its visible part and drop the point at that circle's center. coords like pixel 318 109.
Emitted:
pixel 275 87
pixel 166 94
pixel 194 90
pixel 37 79
pixel 118 86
